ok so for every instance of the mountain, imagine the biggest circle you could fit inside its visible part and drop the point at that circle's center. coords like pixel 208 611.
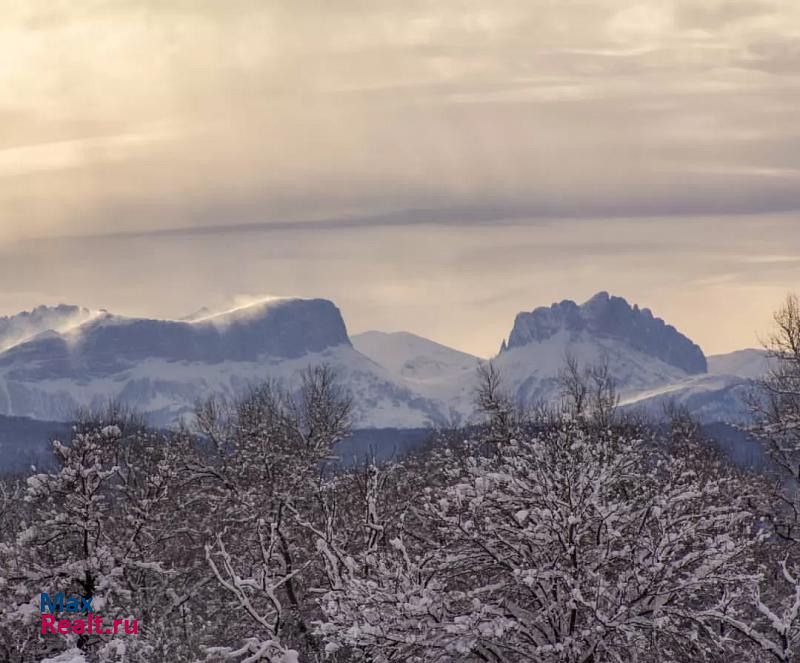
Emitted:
pixel 643 353
pixel 651 362
pixel 720 395
pixel 439 374
pixel 282 328
pixel 69 358
pixel 202 312
pixel 412 356
pixel 604 317
pixel 750 363
pixel 532 370
pixel 17 328
pixel 163 367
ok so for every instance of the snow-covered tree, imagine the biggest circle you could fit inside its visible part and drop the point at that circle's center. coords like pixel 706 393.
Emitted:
pixel 67 545
pixel 103 527
pixel 570 535
pixel 270 446
pixel 772 621
pixel 571 543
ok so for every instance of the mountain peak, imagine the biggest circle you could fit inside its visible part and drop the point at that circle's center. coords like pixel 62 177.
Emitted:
pixel 27 324
pixel 413 356
pixel 607 316
pixel 600 298
pixel 107 343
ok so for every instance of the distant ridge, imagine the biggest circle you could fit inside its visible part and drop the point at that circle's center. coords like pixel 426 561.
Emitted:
pixel 71 357
pixel 286 329
pixel 163 368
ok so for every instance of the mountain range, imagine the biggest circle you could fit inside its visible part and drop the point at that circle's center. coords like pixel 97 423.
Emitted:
pixel 56 359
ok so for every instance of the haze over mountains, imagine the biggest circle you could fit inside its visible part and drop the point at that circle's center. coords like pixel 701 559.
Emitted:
pixel 17 328
pixel 57 359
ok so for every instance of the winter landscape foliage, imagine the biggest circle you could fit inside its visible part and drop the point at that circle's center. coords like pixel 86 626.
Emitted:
pixel 573 531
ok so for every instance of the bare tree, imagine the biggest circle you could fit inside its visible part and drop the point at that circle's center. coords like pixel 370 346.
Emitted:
pixel 588 392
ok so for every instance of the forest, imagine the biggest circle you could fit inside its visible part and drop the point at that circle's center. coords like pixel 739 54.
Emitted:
pixel 568 532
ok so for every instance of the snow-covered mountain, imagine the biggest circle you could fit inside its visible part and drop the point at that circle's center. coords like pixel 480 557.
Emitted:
pixel 651 361
pixel 606 317
pixel 163 367
pixel 532 370
pixel 63 358
pixel 17 328
pixel 719 395
pixel 439 374
pixel 412 356
pixel 748 364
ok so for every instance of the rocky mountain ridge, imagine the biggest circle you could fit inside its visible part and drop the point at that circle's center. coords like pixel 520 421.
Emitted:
pixel 163 367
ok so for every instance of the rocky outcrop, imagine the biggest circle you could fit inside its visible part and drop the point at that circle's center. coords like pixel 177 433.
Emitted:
pixel 605 316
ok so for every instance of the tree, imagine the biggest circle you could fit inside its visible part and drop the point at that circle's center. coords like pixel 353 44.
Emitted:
pixel 773 621
pixel 575 543
pixel 777 418
pixel 265 477
pixel 103 526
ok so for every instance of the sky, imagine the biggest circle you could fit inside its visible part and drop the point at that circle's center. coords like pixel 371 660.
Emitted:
pixel 433 166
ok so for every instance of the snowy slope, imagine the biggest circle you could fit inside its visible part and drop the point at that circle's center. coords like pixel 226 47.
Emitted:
pixel 643 384
pixel 750 363
pixel 532 370
pixel 163 367
pixel 644 354
pixel 720 395
pixel 651 361
pixel 412 356
pixel 709 398
pixel 168 390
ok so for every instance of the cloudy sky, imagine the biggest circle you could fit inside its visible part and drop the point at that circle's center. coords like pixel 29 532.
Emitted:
pixel 434 166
